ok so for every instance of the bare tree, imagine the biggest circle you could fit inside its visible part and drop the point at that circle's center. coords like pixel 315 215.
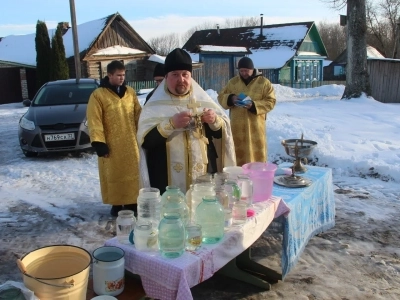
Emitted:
pixel 334 37
pixel 382 19
pixel 357 79
pixel 164 44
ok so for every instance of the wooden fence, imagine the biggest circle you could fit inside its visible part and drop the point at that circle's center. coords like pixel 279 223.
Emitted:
pixel 384 78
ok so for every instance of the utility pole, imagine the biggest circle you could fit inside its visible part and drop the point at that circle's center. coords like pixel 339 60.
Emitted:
pixel 77 57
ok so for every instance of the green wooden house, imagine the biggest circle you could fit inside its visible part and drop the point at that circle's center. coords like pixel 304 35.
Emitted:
pixel 289 54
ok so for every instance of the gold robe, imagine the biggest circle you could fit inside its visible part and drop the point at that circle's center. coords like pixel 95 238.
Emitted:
pixel 114 121
pixel 249 129
pixel 185 152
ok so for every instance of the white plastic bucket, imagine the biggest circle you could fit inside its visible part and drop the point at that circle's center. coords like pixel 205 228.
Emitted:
pixel 262 175
pixel 57 272
pixel 233 171
pixel 108 271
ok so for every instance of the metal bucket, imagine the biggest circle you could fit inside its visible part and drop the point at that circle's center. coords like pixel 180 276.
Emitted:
pixel 57 272
pixel 108 271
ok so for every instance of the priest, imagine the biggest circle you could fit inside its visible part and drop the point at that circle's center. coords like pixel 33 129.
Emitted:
pixel 182 132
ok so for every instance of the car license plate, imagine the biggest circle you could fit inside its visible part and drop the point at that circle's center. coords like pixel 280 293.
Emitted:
pixel 59 137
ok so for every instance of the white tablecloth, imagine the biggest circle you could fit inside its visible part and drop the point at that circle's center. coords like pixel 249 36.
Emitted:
pixel 166 278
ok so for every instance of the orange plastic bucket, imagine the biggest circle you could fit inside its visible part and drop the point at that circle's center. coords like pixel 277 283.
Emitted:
pixel 59 272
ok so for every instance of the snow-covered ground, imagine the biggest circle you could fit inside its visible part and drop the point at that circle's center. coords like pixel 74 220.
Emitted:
pixel 56 199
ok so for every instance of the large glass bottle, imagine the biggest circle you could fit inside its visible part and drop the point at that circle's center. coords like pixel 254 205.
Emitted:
pixel 211 217
pixel 174 201
pixel 149 205
pixel 171 235
pixel 200 190
pixel 125 224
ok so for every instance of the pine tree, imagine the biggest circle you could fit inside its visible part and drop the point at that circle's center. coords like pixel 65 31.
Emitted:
pixel 43 54
pixel 60 68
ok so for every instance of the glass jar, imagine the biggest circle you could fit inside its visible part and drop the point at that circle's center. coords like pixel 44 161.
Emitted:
pixel 219 178
pixel 142 233
pixel 171 236
pixel 233 191
pixel 171 191
pixel 200 190
pixel 246 188
pixel 125 223
pixel 175 202
pixel 193 237
pixel 211 217
pixel 222 196
pixel 149 205
pixel 189 200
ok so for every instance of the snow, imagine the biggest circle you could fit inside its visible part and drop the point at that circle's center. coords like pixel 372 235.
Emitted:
pixel 21 48
pixel 357 138
pixel 210 48
pixel 117 50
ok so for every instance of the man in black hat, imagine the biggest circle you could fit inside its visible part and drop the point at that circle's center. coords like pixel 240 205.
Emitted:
pixel 249 96
pixel 177 127
pixel 158 75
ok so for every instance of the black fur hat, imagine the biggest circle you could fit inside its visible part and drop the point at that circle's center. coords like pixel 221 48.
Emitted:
pixel 159 70
pixel 178 59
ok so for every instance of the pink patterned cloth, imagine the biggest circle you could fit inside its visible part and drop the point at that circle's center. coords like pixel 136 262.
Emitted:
pixel 170 279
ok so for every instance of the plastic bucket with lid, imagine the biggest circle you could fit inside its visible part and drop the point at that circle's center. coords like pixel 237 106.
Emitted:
pixel 262 175
pixel 58 272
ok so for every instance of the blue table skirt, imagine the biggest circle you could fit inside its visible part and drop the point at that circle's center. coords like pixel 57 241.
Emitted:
pixel 312 210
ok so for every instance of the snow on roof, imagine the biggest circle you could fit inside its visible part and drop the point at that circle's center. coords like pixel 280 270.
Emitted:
pixel 210 48
pixel 285 33
pixel 118 50
pixel 21 48
pixel 273 58
pixel 305 53
pixel 157 58
pixel 373 53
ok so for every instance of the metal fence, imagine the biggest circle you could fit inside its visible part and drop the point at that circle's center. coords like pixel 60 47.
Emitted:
pixel 138 85
pixel 309 84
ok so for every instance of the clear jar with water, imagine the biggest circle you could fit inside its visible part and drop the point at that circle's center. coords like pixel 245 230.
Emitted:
pixel 171 235
pixel 149 205
pixel 211 217
pixel 232 189
pixel 142 234
pixel 175 202
pixel 125 224
pixel 246 189
pixel 200 190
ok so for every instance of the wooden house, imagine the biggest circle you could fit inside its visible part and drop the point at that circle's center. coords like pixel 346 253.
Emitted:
pixel 100 41
pixel 290 53
pixel 336 70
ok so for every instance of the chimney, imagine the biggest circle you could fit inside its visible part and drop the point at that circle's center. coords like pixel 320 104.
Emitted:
pixel 261 27
pixel 64 27
pixel 218 29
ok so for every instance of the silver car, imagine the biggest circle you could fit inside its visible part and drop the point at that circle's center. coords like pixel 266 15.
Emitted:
pixel 56 118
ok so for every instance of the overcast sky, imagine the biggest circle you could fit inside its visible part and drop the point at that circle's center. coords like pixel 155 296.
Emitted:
pixel 153 18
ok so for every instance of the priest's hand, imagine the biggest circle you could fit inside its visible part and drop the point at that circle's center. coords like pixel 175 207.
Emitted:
pixel 101 149
pixel 181 119
pixel 209 116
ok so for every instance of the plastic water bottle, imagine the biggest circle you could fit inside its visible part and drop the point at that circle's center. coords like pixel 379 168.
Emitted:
pixel 125 223
pixel 149 205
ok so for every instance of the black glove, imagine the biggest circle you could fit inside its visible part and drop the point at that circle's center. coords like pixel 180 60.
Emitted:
pixel 100 148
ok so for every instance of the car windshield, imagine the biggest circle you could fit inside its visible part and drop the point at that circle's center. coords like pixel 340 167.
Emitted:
pixel 64 94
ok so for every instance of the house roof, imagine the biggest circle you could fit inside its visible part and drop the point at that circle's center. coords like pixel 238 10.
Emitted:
pixel 21 48
pixel 371 53
pixel 277 44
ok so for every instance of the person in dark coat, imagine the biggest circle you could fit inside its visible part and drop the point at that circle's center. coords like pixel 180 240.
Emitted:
pixel 158 76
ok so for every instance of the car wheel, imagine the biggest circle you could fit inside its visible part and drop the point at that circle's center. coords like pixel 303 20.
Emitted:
pixel 29 153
